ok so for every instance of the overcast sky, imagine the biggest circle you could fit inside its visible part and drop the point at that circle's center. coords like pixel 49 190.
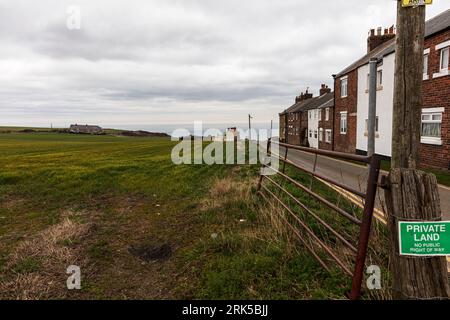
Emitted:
pixel 167 61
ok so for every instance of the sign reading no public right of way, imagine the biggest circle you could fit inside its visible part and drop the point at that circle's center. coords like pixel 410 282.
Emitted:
pixel 424 238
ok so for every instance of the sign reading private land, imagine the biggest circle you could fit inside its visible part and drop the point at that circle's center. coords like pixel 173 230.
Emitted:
pixel 424 238
pixel 415 3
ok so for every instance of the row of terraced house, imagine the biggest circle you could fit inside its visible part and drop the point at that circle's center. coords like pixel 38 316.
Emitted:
pixel 337 119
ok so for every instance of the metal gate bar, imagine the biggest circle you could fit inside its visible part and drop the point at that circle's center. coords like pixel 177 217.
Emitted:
pixel 311 233
pixel 364 225
pixel 322 222
pixel 342 212
pixel 320 176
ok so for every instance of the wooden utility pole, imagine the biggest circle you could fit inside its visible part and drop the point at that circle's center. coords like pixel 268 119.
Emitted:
pixel 411 195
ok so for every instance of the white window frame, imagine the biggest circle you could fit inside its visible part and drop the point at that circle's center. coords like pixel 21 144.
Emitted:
pixel 443 66
pixel 379 78
pixel 320 134
pixel 442 47
pixel 367 125
pixel 432 112
pixel 426 61
pixel 310 133
pixel 326 135
pixel 344 80
pixel 316 134
pixel 327 114
pixel 343 129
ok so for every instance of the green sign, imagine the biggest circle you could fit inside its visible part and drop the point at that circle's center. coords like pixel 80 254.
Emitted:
pixel 424 238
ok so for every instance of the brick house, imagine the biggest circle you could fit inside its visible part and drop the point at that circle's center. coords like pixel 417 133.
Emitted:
pixel 326 124
pixel 299 124
pixel 435 146
pixel 351 96
pixel 346 91
pixel 293 122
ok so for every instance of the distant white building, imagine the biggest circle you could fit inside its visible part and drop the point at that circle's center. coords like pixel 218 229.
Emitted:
pixel 313 128
pixel 318 111
pixel 232 134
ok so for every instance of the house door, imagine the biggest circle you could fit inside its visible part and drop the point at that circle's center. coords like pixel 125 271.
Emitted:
pixel 313 138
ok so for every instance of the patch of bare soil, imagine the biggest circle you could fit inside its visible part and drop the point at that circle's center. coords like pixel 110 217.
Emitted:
pixel 151 253
pixel 9 202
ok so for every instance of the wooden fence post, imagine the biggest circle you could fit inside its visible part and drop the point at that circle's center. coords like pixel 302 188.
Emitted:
pixel 411 195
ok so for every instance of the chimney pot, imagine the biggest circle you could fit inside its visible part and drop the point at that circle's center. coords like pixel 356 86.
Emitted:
pixel 324 90
pixel 391 30
pixel 374 41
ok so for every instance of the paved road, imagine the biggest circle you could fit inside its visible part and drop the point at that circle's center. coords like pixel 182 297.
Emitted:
pixel 353 175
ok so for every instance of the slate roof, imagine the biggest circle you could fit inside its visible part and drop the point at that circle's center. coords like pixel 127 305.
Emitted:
pixel 438 23
pixel 323 101
pixel 320 102
pixel 432 26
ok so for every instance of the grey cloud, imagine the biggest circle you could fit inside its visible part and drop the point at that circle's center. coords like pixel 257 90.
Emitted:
pixel 168 59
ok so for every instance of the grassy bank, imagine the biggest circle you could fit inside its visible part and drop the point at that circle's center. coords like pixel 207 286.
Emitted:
pixel 140 227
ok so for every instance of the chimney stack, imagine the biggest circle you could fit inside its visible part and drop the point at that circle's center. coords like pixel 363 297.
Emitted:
pixel 307 95
pixel 375 40
pixel 303 96
pixel 324 89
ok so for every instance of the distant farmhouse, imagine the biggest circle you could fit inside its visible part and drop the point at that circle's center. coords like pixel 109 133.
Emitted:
pixel 85 129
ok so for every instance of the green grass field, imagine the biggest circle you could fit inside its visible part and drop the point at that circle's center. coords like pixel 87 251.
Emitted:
pixel 139 226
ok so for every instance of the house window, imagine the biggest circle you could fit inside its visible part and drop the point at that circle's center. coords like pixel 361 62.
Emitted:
pixel 321 134
pixel 376 125
pixel 315 134
pixel 444 59
pixel 431 126
pixel 379 78
pixel 328 136
pixel 310 133
pixel 343 123
pixel 344 87
pixel 310 114
pixel 327 114
pixel 320 114
pixel 425 65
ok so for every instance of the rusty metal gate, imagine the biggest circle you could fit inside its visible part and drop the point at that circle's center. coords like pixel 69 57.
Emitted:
pixel 359 250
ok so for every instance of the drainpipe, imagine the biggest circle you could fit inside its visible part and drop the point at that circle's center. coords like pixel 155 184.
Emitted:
pixel 371 122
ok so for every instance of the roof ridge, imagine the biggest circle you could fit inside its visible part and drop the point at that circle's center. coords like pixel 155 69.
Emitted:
pixel 439 14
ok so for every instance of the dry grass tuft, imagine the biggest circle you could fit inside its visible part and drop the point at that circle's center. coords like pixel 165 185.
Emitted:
pixel 227 190
pixel 222 187
pixel 37 267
